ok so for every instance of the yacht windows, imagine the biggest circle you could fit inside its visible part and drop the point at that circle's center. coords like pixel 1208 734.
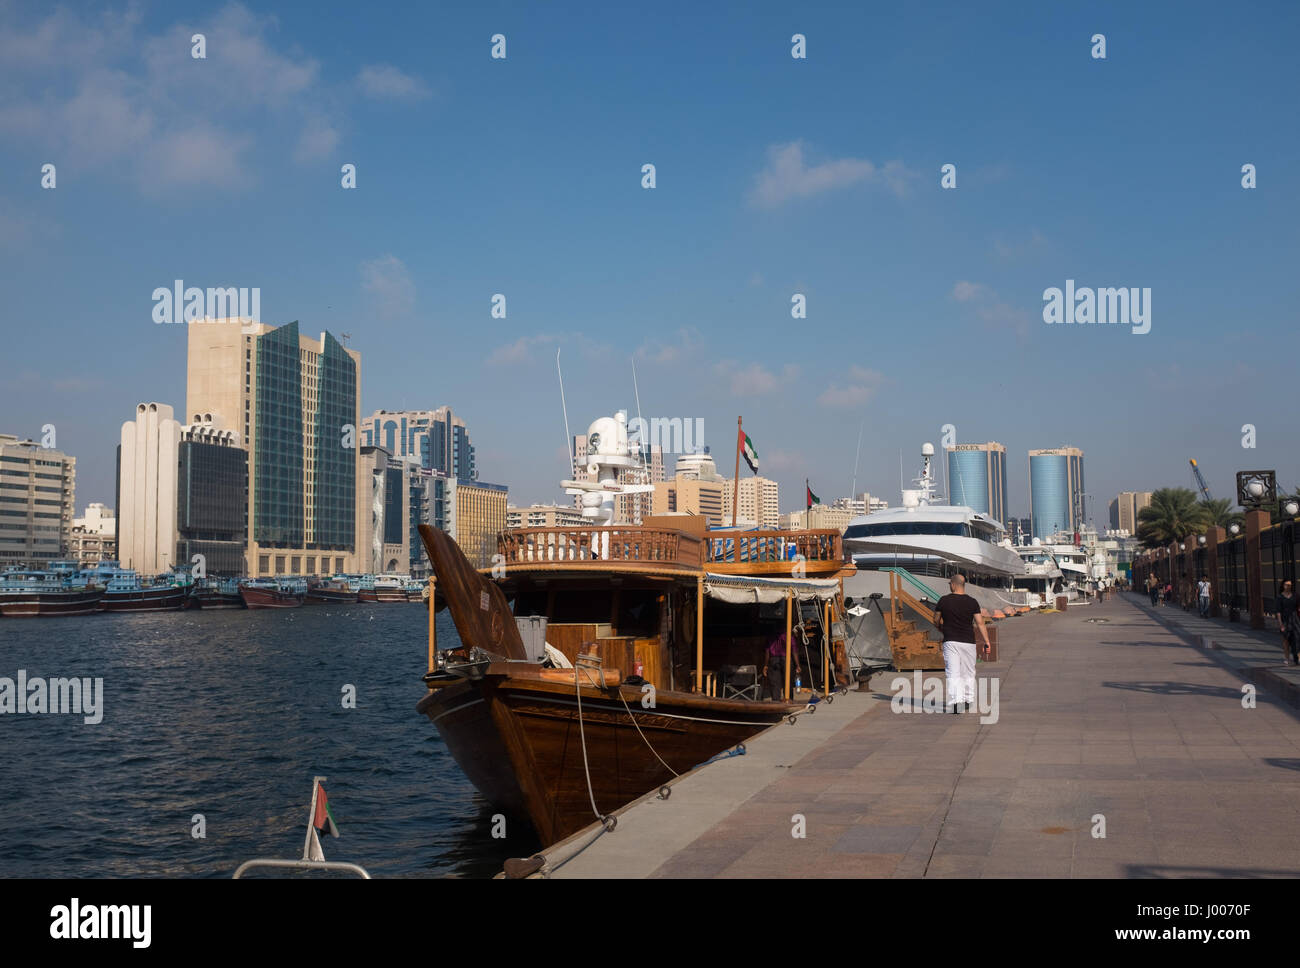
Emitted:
pixel 955 528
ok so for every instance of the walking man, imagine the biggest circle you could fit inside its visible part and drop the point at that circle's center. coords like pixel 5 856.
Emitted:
pixel 1153 590
pixel 957 615
pixel 1288 621
pixel 1203 596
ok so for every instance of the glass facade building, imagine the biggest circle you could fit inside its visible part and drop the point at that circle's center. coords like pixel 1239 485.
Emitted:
pixel 1056 490
pixel 278 508
pixel 211 489
pixel 437 440
pixel 977 478
pixel 334 477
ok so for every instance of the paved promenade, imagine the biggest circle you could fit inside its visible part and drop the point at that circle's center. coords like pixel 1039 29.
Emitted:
pixel 1106 710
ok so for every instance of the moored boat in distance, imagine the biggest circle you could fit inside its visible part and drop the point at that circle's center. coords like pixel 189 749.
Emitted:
pixel 273 592
pixel 126 591
pixel 28 593
pixel 336 590
pixel 212 592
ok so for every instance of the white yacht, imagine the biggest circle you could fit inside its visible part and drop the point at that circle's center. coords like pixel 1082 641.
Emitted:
pixel 928 537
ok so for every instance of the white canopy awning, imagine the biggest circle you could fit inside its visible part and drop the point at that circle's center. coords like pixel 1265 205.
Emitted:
pixel 740 590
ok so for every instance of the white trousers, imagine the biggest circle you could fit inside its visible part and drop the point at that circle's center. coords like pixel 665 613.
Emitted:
pixel 959 671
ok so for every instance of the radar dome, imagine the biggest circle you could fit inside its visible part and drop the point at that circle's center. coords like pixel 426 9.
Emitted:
pixel 927 450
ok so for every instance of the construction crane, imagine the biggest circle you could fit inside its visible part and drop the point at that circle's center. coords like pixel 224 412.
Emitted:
pixel 1200 481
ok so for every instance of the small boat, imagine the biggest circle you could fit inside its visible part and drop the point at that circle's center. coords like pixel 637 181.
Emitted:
pixel 30 593
pixel 273 592
pixel 126 591
pixel 209 593
pixel 416 591
pixel 331 590
pixel 382 589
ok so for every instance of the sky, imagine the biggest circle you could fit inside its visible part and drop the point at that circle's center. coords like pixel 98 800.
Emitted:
pixel 774 176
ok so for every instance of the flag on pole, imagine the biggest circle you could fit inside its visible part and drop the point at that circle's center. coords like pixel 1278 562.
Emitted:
pixel 812 498
pixel 748 451
pixel 323 822
pixel 313 846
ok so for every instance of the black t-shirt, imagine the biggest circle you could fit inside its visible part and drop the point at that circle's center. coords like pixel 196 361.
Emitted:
pixel 1286 608
pixel 958 613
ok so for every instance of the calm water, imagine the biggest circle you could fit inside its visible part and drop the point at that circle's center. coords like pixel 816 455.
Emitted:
pixel 230 714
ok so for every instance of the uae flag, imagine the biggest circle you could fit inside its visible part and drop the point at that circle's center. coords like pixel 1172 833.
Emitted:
pixel 324 820
pixel 748 451
pixel 322 823
pixel 812 498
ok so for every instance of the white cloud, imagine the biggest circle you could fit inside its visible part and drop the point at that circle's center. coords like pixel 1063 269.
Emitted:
pixel 862 384
pixel 991 308
pixel 754 379
pixel 527 348
pixel 686 346
pixel 388 280
pixel 1018 250
pixel 787 176
pixel 101 92
pixel 386 81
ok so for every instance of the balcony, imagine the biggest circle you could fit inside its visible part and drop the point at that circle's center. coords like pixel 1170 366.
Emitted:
pixel 816 553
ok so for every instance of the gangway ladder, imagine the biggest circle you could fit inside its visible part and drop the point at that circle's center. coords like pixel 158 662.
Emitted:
pixel 305 862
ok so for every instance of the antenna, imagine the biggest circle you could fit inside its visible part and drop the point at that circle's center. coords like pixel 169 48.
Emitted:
pixel 853 492
pixel 641 444
pixel 568 440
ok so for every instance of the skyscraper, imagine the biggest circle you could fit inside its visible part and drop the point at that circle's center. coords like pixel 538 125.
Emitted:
pixel 437 440
pixel 297 401
pixel 1056 490
pixel 37 496
pixel 977 478
pixel 147 461
pixel 211 502
pixel 1124 509
pixel 758 502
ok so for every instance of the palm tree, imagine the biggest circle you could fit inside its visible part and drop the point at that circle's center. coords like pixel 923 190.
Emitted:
pixel 1172 515
pixel 1219 513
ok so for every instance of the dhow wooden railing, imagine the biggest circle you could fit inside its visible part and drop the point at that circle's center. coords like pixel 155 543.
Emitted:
pixel 638 546
pixel 766 547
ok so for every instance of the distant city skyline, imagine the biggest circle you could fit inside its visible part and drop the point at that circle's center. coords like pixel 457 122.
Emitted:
pixel 522 179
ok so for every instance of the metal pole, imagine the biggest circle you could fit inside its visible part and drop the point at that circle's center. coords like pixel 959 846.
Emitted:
pixel 699 634
pixel 433 624
pixel 735 484
pixel 311 816
pixel 789 595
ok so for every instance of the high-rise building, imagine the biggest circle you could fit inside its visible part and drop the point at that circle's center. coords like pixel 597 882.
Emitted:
pixel 383 513
pixel 757 500
pixel 1124 509
pixel 687 495
pixel 437 440
pixel 977 478
pixel 479 516
pixel 38 488
pixel 296 401
pixel 818 517
pixel 147 462
pixel 1056 490
pixel 212 500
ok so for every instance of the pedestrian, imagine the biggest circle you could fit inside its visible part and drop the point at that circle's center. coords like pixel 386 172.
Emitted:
pixel 1153 590
pixel 1203 596
pixel 774 668
pixel 1288 623
pixel 1169 593
pixel 956 616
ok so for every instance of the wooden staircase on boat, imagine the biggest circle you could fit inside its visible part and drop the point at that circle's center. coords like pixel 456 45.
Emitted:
pixel 913 647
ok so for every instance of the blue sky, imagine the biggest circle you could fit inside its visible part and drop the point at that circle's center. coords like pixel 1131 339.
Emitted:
pixel 819 176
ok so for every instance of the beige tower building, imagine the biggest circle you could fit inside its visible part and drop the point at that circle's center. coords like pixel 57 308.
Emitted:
pixel 758 502
pixel 38 488
pixel 146 490
pixel 479 516
pixel 295 401
pixel 686 495
pixel 1126 506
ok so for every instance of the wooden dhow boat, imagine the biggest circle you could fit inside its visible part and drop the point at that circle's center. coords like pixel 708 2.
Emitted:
pixel 597 663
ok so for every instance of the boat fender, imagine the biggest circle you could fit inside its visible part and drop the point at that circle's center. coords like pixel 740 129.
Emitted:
pixel 557 658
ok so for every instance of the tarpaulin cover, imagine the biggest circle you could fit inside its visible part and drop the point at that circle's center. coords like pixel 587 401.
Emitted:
pixel 735 590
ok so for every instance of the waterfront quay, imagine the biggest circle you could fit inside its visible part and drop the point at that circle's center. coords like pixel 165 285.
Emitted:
pixel 1113 713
